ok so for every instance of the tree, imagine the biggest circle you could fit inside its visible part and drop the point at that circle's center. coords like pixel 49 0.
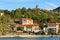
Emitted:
pixel 12 13
pixel 7 12
pixel 23 10
pixel 4 19
pixel 18 13
pixel 4 29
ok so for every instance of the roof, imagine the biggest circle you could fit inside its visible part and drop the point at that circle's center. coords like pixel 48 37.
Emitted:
pixel 51 24
pixel 27 25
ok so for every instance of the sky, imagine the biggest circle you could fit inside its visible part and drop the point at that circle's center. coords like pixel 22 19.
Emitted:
pixel 43 4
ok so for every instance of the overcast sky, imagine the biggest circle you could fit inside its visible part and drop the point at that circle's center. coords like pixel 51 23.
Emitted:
pixel 43 4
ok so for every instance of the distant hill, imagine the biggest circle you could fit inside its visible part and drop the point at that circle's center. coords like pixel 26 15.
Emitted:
pixel 57 9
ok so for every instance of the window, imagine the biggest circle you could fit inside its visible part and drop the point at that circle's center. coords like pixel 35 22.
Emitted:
pixel 24 21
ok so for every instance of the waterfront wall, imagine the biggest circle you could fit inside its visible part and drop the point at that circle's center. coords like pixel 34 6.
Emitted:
pixel 30 36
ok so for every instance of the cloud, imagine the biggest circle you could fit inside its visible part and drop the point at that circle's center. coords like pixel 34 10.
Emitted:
pixel 51 4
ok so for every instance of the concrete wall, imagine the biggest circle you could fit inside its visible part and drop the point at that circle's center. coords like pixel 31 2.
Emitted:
pixel 57 28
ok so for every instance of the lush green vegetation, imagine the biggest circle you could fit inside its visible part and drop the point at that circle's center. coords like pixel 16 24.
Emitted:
pixel 51 31
pixel 39 16
pixel 20 28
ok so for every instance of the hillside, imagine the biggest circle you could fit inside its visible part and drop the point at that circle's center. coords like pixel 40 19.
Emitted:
pixel 57 9
pixel 39 16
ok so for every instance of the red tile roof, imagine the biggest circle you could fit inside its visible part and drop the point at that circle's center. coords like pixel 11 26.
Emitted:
pixel 27 25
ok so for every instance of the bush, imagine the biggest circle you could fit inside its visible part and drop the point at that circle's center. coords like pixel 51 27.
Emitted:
pixel 20 28
pixel 51 31
pixel 25 32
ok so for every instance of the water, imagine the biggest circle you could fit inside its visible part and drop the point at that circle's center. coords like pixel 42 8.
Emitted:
pixel 29 38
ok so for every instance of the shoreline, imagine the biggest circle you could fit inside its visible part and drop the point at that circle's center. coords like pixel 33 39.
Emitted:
pixel 31 36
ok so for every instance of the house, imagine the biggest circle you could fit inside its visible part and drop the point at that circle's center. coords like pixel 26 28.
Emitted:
pixel 1 14
pixel 28 25
pixel 53 26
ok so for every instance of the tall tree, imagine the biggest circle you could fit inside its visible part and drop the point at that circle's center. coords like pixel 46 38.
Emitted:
pixel 23 10
pixel 18 13
pixel 7 12
pixel 12 13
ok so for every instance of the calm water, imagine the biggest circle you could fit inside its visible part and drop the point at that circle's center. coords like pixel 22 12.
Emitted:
pixel 29 38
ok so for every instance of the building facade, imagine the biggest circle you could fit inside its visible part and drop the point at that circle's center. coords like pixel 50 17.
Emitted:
pixel 28 25
pixel 54 26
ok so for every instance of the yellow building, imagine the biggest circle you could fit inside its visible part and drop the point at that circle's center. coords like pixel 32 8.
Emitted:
pixel 28 25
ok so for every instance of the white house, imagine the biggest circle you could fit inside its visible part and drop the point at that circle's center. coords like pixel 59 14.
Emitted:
pixel 50 26
pixel 1 14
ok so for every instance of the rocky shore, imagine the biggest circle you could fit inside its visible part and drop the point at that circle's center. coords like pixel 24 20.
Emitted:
pixel 31 36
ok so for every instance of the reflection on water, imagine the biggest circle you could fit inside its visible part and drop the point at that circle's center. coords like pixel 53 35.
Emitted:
pixel 29 38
